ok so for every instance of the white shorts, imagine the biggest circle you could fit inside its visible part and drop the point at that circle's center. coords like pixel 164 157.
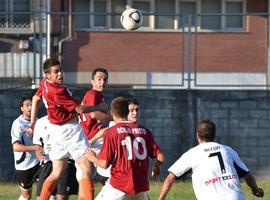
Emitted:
pixel 67 140
pixel 96 148
pixel 103 172
pixel 109 192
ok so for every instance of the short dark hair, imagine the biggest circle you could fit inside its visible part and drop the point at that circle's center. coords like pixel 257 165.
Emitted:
pixel 133 101
pixel 25 98
pixel 48 63
pixel 99 69
pixel 119 107
pixel 206 130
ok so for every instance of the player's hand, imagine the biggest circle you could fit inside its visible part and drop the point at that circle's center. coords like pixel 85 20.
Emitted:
pixel 30 129
pixel 39 153
pixel 258 192
pixel 90 155
pixel 155 172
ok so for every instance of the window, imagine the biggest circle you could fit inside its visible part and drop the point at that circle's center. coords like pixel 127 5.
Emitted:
pixel 235 7
pixel 211 7
pixel 211 14
pixel 164 20
pixel 90 14
pixel 160 14
pixel 11 19
pixel 117 6
pixel 186 11
pixel 98 13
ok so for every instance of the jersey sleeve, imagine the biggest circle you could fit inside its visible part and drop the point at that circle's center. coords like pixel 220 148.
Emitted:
pixel 16 132
pixel 107 151
pixel 63 98
pixel 239 165
pixel 39 92
pixel 182 165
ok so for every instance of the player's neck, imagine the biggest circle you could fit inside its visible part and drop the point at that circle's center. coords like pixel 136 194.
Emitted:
pixel 52 82
pixel 26 117
pixel 117 120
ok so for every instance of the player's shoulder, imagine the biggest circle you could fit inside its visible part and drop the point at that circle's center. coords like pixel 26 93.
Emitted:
pixel 20 120
pixel 16 123
pixel 92 92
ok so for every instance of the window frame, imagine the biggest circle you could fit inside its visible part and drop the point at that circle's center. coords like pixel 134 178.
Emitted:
pixel 177 8
pixel 223 16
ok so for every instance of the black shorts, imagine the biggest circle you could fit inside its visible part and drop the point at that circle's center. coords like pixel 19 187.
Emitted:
pixel 67 185
pixel 27 177
pixel 100 179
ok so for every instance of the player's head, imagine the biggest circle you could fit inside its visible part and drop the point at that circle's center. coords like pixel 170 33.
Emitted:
pixel 206 131
pixel 99 79
pixel 134 110
pixel 119 108
pixel 53 71
pixel 26 105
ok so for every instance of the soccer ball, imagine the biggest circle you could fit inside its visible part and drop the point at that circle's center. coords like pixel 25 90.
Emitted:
pixel 131 19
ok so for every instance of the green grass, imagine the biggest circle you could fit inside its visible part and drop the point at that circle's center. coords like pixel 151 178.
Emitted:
pixel 179 191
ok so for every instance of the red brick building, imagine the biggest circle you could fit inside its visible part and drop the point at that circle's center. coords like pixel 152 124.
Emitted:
pixel 178 37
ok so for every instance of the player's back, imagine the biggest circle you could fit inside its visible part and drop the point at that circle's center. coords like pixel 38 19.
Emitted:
pixel 215 172
pixel 131 145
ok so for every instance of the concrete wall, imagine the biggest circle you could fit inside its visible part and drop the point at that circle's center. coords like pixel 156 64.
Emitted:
pixel 242 119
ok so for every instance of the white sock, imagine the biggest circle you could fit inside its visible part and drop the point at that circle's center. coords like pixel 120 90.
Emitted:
pixel 53 197
pixel 22 198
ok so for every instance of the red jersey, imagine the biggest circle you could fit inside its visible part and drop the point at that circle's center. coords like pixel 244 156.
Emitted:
pixel 58 101
pixel 91 126
pixel 128 146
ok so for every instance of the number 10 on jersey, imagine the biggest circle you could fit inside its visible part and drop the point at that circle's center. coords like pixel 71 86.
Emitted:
pixel 134 147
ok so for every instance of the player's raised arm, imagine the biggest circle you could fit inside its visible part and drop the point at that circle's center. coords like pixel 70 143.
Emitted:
pixel 251 182
pixel 36 101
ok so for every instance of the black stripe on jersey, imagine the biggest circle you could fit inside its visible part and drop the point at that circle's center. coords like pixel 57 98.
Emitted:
pixel 183 176
pixel 23 154
pixel 240 172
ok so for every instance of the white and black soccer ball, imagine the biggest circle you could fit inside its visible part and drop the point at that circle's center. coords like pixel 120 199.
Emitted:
pixel 131 19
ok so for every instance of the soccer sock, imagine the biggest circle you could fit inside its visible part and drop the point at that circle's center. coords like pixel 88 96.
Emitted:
pixel 88 188
pixel 80 198
pixel 47 190
pixel 22 198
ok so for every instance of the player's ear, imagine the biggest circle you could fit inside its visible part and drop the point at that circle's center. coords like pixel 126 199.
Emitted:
pixel 197 136
pixel 47 76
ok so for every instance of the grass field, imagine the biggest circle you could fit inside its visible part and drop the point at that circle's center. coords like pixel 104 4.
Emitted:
pixel 179 191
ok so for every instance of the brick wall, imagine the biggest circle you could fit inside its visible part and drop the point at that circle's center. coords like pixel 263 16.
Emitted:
pixel 242 119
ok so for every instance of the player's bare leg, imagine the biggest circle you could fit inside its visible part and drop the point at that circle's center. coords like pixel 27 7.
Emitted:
pixel 86 183
pixel 51 181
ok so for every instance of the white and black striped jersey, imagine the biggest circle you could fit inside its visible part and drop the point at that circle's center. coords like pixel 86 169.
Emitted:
pixel 216 170
pixel 22 160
